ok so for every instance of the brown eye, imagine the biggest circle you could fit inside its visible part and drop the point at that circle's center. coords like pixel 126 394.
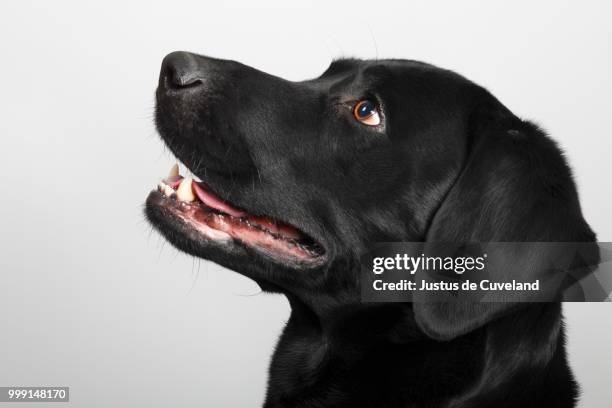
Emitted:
pixel 366 112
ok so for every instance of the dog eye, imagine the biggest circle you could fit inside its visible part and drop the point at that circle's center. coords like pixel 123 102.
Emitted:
pixel 366 112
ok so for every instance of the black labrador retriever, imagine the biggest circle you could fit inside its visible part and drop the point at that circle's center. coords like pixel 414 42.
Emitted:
pixel 298 179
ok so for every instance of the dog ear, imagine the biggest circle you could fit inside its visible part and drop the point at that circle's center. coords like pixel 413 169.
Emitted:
pixel 515 186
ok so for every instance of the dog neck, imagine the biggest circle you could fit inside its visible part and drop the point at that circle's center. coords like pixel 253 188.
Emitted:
pixel 376 356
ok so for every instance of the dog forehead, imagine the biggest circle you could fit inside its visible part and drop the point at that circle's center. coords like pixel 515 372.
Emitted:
pixel 392 76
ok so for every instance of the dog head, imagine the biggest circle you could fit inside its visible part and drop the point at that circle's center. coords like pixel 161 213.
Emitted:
pixel 299 178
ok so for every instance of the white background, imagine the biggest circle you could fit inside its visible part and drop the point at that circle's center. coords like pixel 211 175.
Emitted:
pixel 90 299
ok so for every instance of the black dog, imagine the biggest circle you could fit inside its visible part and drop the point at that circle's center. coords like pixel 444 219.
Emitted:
pixel 300 178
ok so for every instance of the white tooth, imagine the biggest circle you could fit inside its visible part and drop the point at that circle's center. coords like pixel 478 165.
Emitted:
pixel 174 171
pixel 184 191
pixel 167 190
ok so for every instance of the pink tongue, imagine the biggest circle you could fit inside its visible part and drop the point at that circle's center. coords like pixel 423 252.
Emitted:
pixel 215 202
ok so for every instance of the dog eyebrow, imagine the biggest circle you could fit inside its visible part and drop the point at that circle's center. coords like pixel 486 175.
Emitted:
pixel 376 71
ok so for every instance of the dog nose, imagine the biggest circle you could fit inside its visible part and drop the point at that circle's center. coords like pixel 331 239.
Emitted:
pixel 180 70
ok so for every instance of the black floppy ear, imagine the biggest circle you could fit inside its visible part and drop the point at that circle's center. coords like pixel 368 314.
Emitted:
pixel 515 186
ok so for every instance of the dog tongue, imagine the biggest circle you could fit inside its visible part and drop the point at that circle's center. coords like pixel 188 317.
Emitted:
pixel 212 201
pixel 207 197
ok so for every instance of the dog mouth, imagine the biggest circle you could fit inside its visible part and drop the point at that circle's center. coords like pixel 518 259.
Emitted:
pixel 207 217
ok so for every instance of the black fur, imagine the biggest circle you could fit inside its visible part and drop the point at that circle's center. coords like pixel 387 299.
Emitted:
pixel 449 163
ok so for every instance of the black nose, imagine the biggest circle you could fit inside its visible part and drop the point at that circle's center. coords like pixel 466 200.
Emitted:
pixel 181 70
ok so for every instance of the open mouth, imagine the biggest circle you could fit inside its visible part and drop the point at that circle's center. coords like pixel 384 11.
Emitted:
pixel 193 204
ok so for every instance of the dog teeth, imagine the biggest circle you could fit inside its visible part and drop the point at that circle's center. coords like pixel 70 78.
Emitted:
pixel 184 191
pixel 174 171
pixel 165 189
